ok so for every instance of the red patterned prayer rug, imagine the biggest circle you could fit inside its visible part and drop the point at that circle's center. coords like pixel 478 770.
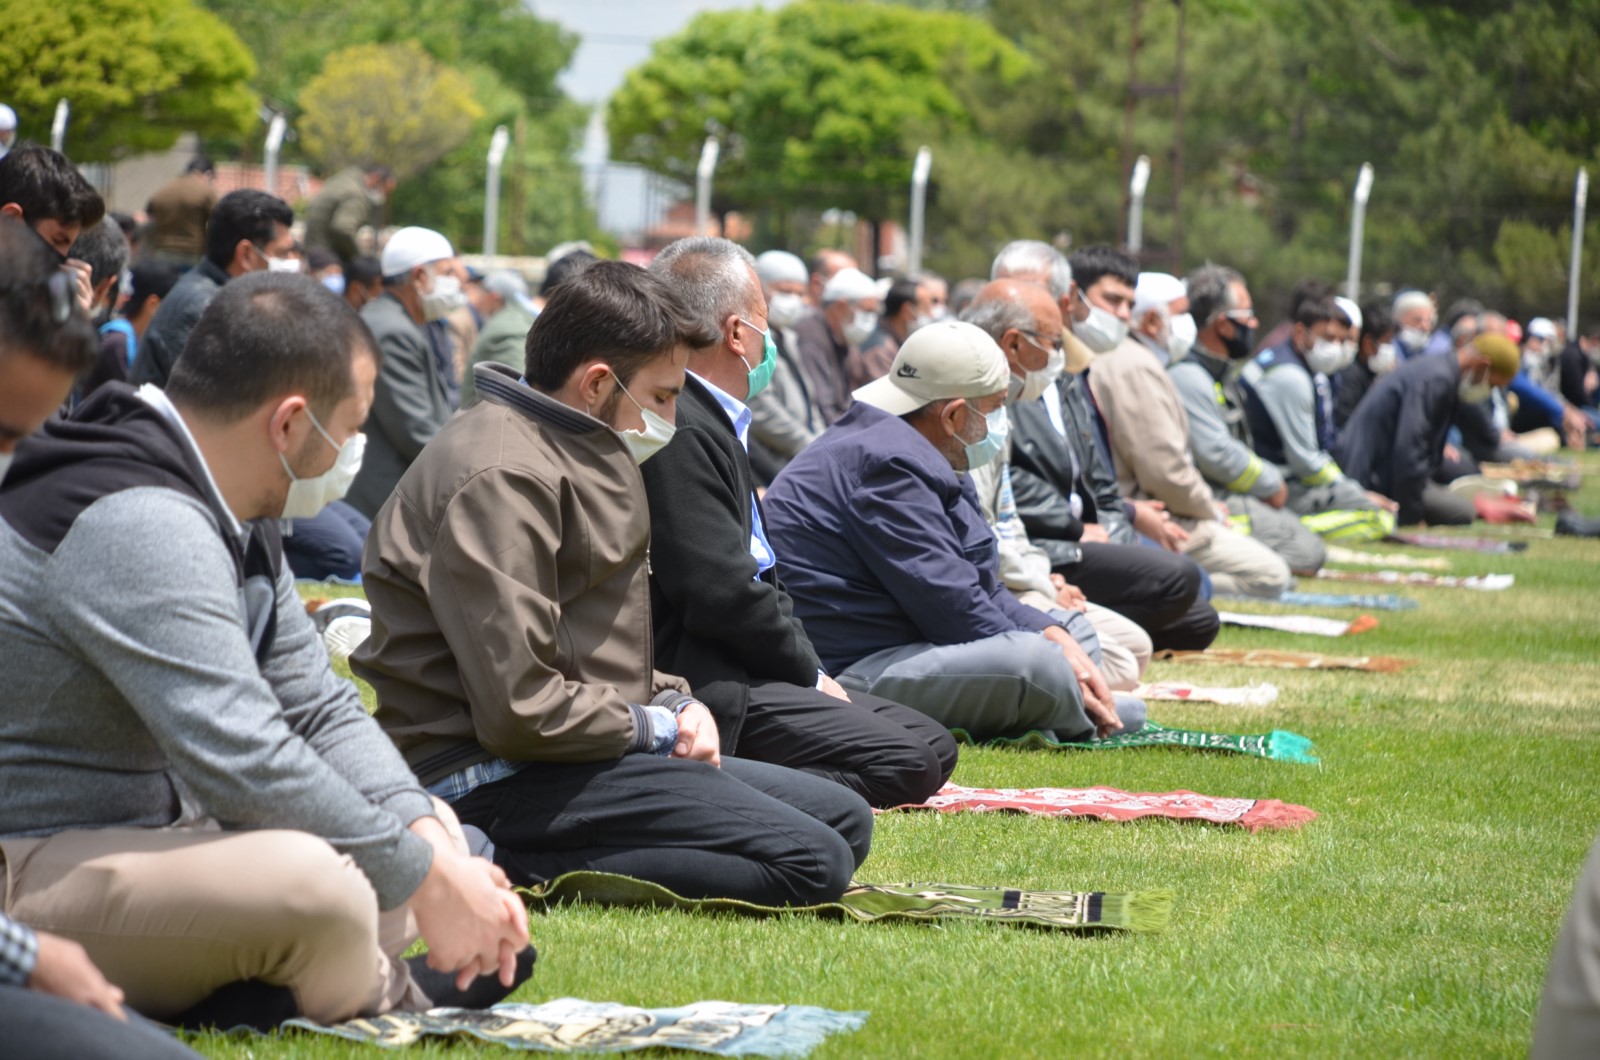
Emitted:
pixel 1276 659
pixel 1112 805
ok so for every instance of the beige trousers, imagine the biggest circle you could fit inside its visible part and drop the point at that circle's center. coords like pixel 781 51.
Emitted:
pixel 1238 565
pixel 172 914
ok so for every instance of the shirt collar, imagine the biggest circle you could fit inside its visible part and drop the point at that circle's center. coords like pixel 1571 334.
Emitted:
pixel 737 411
pixel 158 400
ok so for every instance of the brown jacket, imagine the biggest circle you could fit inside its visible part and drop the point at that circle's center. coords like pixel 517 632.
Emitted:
pixel 509 582
pixel 178 213
pixel 1149 433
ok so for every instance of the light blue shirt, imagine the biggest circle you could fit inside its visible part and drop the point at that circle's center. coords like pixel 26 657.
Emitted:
pixel 739 413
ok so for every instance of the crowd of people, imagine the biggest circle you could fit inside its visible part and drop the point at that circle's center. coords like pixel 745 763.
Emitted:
pixel 674 572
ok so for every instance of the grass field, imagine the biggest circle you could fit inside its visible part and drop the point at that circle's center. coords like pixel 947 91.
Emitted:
pixel 1414 917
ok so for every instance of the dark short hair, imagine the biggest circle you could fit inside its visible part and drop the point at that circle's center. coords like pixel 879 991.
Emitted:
pixel 378 169
pixel 104 249
pixel 1377 318
pixel 901 294
pixel 151 279
pixel 564 268
pixel 39 315
pixel 48 187
pixel 200 164
pixel 1309 312
pixel 1459 309
pixel 244 214
pixel 267 335
pixel 362 271
pixel 126 222
pixel 319 258
pixel 1092 263
pixel 613 310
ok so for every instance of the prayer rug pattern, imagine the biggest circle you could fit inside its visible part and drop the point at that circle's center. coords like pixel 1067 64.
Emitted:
pixel 1278 745
pixel 1110 804
pixel 1482 582
pixel 1278 659
pixel 1252 695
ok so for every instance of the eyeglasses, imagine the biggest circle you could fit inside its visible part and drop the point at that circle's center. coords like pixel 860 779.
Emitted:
pixel 1242 321
pixel 1054 345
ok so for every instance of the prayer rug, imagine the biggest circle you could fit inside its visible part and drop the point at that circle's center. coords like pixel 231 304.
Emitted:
pixel 1375 601
pixel 869 903
pixel 1109 804
pixel 1386 559
pixel 1276 659
pixel 1278 745
pixel 1252 695
pixel 569 1025
pixel 1548 473
pixel 1482 582
pixel 1491 545
pixel 1310 625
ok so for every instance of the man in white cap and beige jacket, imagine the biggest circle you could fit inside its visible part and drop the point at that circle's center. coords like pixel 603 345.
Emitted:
pixel 894 569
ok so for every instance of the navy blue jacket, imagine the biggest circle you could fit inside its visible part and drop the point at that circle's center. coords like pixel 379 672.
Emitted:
pixel 1394 441
pixel 881 544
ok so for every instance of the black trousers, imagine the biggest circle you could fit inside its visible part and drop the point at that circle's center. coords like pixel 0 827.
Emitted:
pixel 752 831
pixel 1157 589
pixel 51 1028
pixel 887 753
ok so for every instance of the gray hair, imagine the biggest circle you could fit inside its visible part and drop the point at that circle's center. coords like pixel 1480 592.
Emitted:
pixel 1032 259
pixel 104 249
pixel 710 276
pixel 998 316
pixel 1210 290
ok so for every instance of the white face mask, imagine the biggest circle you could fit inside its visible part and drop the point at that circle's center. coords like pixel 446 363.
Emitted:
pixel 1032 386
pixel 784 309
pixel 445 296
pixel 1102 331
pixel 282 264
pixel 1349 350
pixel 657 431
pixel 1180 335
pixel 860 327
pixel 1383 359
pixel 1325 357
pixel 5 464
pixel 1414 338
pixel 308 496
pixel 1473 393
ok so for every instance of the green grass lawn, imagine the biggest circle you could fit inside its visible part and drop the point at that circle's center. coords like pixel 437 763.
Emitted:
pixel 1414 917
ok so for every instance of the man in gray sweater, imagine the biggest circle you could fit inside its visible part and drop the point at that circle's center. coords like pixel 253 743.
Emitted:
pixel 186 789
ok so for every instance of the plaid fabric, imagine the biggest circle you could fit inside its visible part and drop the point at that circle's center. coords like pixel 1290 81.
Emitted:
pixel 19 949
pixel 458 785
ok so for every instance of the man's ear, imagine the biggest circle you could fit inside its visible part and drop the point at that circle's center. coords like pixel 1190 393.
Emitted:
pixel 597 383
pixel 13 211
pixel 733 335
pixel 280 421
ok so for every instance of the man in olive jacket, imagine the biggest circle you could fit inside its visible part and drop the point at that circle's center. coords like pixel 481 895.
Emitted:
pixel 511 638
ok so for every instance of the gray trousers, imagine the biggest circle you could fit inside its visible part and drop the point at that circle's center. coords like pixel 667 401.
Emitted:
pixel 1280 529
pixel 1569 1015
pixel 1003 685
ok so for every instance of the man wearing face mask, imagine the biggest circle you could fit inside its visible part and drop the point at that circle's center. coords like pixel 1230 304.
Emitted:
pixel 896 570
pixel 511 640
pixel 412 400
pixel 247 232
pixel 1250 490
pixel 722 617
pixel 211 813
pixel 1414 316
pixel 1394 442
pixel 830 338
pixel 783 418
pixel 906 307
pixel 1376 357
pixel 1289 406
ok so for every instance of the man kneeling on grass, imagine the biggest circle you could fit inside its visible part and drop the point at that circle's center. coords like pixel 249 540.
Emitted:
pixel 511 635
pixel 186 789
pixel 895 571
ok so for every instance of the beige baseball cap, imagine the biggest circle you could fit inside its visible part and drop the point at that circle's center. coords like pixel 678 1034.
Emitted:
pixel 947 359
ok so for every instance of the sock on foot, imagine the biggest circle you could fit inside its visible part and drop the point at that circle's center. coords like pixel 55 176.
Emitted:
pixel 245 1003
pixel 481 993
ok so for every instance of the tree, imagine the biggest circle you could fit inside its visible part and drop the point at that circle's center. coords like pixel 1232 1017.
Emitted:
pixel 386 103
pixel 137 73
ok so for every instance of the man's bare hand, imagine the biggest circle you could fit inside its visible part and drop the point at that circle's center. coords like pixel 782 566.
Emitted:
pixel 1383 502
pixel 1068 596
pixel 832 688
pixel 63 968
pixel 82 277
pixel 1095 533
pixel 1152 519
pixel 467 914
pixel 1280 498
pixel 697 736
pixel 1098 703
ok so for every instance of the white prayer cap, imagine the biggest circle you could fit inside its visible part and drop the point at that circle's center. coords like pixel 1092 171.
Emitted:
pixel 411 247
pixel 1155 289
pixel 849 285
pixel 1350 309
pixel 1541 328
pixel 8 118
pixel 780 266
pixel 945 359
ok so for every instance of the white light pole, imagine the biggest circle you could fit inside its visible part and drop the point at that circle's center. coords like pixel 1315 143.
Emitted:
pixel 1580 202
pixel 269 170
pixel 1358 225
pixel 702 187
pixel 58 127
pixel 1136 187
pixel 491 195
pixel 919 207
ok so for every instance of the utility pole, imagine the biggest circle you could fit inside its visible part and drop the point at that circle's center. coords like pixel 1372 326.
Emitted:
pixel 1130 103
pixel 1177 144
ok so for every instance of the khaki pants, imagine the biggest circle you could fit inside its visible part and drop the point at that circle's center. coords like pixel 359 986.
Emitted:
pixel 172 914
pixel 1238 565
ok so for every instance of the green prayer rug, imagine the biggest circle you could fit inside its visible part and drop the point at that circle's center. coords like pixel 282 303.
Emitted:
pixel 869 903
pixel 1278 745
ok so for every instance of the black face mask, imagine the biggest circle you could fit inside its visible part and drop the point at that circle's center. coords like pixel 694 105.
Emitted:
pixel 1240 346
pixel 60 258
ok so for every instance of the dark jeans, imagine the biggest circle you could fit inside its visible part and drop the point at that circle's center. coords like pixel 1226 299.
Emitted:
pixel 887 753
pixel 50 1028
pixel 757 832
pixel 1157 589
pixel 327 545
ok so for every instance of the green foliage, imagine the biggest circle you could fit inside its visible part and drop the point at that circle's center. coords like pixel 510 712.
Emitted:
pixel 137 73
pixel 387 103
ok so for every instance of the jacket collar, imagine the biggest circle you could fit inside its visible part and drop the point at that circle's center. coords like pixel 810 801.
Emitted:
pixel 1217 367
pixel 503 385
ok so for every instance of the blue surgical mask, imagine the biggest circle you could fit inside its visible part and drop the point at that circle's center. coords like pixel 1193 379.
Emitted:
pixel 985 449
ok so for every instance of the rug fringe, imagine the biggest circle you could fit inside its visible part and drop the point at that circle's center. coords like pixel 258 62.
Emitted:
pixel 1140 911
pixel 1285 746
pixel 1272 814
